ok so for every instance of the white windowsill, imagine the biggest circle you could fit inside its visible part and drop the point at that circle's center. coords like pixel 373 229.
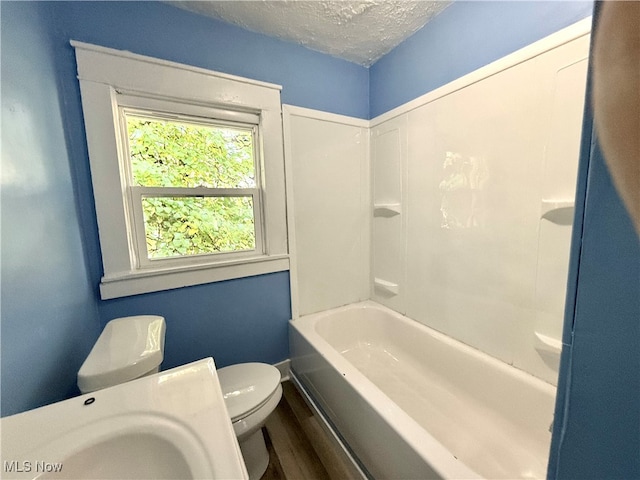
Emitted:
pixel 147 280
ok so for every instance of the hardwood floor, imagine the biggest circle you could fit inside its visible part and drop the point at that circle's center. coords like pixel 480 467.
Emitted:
pixel 299 448
pixel 274 470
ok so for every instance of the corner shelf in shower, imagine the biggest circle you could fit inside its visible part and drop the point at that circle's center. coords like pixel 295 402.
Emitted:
pixel 386 209
pixel 386 286
pixel 548 344
pixel 559 212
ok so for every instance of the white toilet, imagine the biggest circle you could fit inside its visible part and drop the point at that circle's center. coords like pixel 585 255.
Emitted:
pixel 132 347
pixel 251 392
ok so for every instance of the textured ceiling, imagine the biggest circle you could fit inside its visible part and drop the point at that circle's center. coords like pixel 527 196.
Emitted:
pixel 360 32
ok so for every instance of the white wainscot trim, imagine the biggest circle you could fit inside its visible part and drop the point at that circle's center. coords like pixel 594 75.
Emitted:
pixel 326 116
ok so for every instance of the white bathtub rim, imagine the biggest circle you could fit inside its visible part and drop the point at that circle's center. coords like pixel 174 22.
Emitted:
pixel 440 458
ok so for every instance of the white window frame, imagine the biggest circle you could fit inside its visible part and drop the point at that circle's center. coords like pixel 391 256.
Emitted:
pixel 112 80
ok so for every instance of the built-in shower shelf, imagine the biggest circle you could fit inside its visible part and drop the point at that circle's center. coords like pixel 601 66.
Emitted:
pixel 548 344
pixel 386 209
pixel 386 286
pixel 559 212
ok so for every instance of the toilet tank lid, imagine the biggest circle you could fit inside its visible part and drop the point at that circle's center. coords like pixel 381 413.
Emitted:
pixel 127 348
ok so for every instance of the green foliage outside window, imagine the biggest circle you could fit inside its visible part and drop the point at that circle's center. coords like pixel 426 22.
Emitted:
pixel 185 155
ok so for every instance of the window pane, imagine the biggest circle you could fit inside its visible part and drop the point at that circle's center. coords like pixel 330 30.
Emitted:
pixel 178 226
pixel 167 153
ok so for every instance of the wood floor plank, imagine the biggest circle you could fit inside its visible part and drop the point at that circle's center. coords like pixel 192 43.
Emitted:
pixel 274 469
pixel 295 454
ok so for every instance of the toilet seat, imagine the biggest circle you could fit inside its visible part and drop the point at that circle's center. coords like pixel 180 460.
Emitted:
pixel 247 387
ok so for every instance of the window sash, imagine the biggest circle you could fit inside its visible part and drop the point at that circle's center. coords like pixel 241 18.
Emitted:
pixel 171 112
pixel 136 102
pixel 138 232
pixel 167 110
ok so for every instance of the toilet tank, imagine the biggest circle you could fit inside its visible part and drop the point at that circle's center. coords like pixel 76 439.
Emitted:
pixel 128 348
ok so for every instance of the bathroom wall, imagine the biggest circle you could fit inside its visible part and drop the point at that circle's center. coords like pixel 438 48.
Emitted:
pixel 596 425
pixel 464 37
pixel 476 170
pixel 310 79
pixel 49 296
pixel 596 432
pixel 329 157
pixel 51 311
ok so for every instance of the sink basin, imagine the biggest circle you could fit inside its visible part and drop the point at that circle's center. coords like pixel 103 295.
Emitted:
pixel 171 425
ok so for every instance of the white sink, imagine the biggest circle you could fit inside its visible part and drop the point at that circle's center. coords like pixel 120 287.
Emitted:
pixel 171 425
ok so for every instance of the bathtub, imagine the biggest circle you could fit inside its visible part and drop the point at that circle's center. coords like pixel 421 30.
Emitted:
pixel 410 402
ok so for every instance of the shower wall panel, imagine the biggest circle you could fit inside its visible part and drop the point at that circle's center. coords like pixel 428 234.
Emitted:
pixel 486 216
pixel 329 157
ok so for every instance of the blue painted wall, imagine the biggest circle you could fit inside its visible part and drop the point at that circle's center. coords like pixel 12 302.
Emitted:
pixel 464 37
pixel 49 312
pixel 597 429
pixel 234 321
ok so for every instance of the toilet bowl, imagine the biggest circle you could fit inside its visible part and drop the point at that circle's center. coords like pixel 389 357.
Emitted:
pixel 251 392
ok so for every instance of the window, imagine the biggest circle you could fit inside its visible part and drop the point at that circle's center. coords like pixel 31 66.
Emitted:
pixel 192 184
pixel 188 172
